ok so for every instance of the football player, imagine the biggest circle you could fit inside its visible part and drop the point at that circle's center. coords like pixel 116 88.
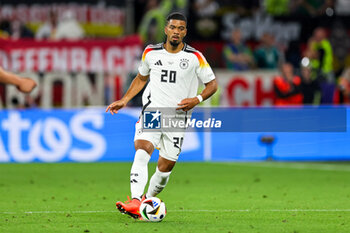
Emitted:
pixel 173 69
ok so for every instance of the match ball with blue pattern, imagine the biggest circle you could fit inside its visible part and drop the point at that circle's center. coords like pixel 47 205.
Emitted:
pixel 153 210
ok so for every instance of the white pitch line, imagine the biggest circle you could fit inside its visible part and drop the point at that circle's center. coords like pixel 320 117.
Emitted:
pixel 300 166
pixel 270 210
pixel 185 210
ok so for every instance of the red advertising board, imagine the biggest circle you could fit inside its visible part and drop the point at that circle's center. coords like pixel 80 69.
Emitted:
pixel 113 56
pixel 250 88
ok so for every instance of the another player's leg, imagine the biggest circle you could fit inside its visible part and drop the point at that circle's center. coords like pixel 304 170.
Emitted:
pixel 138 178
pixel 160 178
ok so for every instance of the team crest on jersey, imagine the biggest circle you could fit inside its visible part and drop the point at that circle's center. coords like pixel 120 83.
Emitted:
pixel 184 63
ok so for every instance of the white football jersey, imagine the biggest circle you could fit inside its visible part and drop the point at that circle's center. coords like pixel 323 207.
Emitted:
pixel 173 76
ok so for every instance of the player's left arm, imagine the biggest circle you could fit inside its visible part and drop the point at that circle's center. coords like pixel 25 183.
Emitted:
pixel 189 103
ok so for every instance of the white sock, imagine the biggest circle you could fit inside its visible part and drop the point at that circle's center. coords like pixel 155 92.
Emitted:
pixel 157 183
pixel 139 173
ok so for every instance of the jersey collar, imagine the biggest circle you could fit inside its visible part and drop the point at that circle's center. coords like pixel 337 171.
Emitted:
pixel 183 48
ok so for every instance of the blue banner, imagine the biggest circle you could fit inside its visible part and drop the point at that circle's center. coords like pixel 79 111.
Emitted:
pixel 279 119
pixel 88 135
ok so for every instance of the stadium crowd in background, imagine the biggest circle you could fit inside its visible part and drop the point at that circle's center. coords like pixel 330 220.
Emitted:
pixel 298 7
pixel 48 29
pixel 267 55
pixel 320 54
pixel 65 27
pixel 56 28
pixel 310 87
pixel 237 55
pixel 14 29
pixel 319 58
pixel 344 87
pixel 288 87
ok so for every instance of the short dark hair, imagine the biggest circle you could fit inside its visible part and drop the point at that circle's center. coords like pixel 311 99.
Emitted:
pixel 178 16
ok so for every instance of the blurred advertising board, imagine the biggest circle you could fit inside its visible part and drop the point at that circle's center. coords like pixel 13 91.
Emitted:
pixel 219 27
pixel 70 73
pixel 101 20
pixel 249 88
pixel 80 135
pixel 114 56
pixel 285 28
pixel 90 134
pixel 101 69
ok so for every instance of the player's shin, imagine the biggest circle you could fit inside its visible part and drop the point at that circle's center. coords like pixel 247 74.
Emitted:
pixel 139 173
pixel 157 183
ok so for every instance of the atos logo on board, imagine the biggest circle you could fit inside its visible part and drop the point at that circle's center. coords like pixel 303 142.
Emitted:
pixel 29 137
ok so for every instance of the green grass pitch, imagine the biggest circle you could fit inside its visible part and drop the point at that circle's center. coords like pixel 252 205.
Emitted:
pixel 200 197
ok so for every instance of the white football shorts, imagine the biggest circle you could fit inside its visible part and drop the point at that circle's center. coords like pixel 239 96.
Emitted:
pixel 168 143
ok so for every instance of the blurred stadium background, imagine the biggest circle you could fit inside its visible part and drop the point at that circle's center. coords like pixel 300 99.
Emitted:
pixel 84 55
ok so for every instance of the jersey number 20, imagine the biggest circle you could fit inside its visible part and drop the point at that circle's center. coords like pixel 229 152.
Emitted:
pixel 168 76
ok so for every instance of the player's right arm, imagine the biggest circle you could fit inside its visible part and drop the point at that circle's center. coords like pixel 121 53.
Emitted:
pixel 136 86
pixel 25 85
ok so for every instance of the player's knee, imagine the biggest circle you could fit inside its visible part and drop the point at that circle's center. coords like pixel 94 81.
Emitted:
pixel 144 145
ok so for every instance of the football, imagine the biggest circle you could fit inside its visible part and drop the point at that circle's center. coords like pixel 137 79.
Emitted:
pixel 153 210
